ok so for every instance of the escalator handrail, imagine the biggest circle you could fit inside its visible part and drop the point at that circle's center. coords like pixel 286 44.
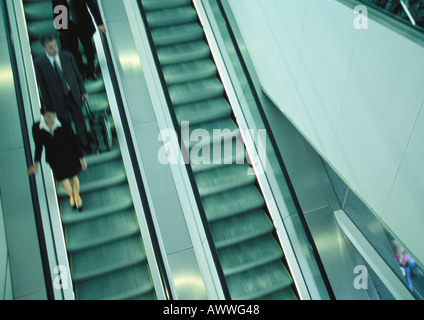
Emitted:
pixel 136 167
pixel 28 156
pixel 190 173
pixel 278 155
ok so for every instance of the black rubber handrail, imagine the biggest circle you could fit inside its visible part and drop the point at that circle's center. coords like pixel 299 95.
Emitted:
pixel 136 168
pixel 188 166
pixel 28 155
pixel 278 154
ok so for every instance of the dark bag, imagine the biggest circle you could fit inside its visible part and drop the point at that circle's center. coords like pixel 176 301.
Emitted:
pixel 100 128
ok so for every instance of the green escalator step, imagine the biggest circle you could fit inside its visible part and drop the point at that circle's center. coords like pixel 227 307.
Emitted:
pixel 150 5
pixel 232 203
pixel 36 29
pixel 127 283
pixel 284 294
pixel 249 255
pixel 97 201
pixel 240 228
pixel 111 225
pixel 208 110
pixel 98 101
pixel 234 153
pixel 189 71
pixel 169 17
pixel 39 11
pixel 90 186
pixel 223 179
pixel 106 259
pixel 101 171
pixel 97 232
pixel 94 86
pixel 177 34
pixel 196 91
pixel 183 52
pixel 207 133
pixel 111 155
pixel 71 217
pixel 259 282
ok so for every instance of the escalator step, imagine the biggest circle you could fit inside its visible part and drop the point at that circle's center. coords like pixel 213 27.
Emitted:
pixel 258 282
pixel 249 255
pixel 240 228
pixel 97 232
pixel 111 155
pixel 232 203
pixel 102 170
pixel 150 5
pixel 88 184
pixel 171 17
pixel 177 34
pixel 127 283
pixel 208 110
pixel 196 91
pixel 36 29
pixel 184 52
pixel 106 259
pixel 94 86
pixel 97 202
pixel 42 10
pixel 189 71
pixel 234 154
pixel 98 102
pixel 214 132
pixel 283 294
pixel 223 179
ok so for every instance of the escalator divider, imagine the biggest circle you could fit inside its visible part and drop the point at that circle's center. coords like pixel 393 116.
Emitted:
pixel 136 168
pixel 190 173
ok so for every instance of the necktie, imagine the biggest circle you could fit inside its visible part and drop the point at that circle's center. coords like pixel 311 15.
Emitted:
pixel 59 73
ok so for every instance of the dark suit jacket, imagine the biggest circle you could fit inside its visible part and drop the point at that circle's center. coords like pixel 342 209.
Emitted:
pixel 49 83
pixel 60 148
pixel 85 23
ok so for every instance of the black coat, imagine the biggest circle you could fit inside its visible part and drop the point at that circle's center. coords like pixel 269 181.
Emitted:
pixel 49 83
pixel 63 152
pixel 85 23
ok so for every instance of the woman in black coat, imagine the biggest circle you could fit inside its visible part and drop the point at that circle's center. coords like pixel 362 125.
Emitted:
pixel 63 153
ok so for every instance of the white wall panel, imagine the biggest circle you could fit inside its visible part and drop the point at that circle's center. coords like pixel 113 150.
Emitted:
pixel 354 94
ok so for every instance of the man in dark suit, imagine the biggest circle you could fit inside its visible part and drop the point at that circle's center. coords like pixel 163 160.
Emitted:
pixel 61 86
pixel 81 26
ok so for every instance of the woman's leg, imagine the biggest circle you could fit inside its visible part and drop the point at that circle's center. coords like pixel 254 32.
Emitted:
pixel 76 191
pixel 68 189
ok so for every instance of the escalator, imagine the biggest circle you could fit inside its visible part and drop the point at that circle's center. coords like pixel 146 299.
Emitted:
pixel 250 255
pixel 104 245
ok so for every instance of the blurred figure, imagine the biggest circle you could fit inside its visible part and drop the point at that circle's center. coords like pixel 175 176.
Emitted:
pixel 81 27
pixel 63 154
pixel 62 87
pixel 407 263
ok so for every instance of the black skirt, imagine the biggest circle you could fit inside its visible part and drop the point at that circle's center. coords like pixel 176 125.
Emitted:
pixel 67 170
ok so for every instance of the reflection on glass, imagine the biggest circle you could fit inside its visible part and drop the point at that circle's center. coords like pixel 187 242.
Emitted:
pixel 411 11
pixel 414 276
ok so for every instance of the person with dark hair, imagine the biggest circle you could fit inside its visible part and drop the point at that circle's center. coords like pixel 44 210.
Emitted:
pixel 81 27
pixel 62 87
pixel 63 154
